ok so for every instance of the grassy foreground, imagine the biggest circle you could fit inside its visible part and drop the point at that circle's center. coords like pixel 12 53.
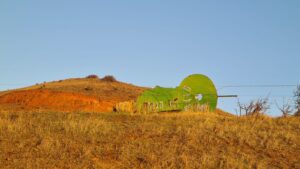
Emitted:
pixel 115 140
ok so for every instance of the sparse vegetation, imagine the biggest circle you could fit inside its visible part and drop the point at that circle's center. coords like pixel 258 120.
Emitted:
pixel 92 77
pixel 297 113
pixel 297 101
pixel 88 88
pixel 285 109
pixel 254 107
pixel 177 140
pixel 109 78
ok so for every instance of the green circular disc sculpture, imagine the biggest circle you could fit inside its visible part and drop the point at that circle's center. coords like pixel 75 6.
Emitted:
pixel 202 88
pixel 193 91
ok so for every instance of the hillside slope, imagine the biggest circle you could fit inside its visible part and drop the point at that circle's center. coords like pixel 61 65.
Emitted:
pixel 180 140
pixel 77 94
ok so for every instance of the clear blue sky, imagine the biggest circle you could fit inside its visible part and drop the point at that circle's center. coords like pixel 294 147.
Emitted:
pixel 153 42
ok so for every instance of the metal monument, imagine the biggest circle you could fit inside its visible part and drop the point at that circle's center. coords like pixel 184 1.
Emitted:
pixel 195 92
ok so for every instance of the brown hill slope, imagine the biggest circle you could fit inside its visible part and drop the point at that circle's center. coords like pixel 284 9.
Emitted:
pixel 117 140
pixel 47 100
pixel 77 94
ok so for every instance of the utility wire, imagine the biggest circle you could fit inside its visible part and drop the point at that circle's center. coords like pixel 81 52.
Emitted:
pixel 6 84
pixel 222 86
pixel 257 86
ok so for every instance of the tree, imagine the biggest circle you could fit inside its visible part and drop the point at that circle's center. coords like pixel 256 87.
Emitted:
pixel 92 76
pixel 109 78
pixel 286 109
pixel 254 107
pixel 297 101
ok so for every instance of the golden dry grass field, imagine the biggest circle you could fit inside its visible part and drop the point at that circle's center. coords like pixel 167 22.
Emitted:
pixel 168 140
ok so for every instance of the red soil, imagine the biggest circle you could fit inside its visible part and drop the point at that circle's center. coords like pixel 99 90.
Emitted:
pixel 70 95
pixel 55 101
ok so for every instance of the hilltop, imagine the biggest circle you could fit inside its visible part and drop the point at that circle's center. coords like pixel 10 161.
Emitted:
pixel 48 136
pixel 76 94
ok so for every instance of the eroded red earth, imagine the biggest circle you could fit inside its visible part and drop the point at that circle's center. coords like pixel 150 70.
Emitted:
pixel 42 99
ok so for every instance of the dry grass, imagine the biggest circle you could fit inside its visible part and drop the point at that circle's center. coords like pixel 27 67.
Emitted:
pixel 178 140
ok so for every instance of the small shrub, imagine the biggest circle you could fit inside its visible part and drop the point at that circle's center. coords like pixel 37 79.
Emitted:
pixel 297 113
pixel 297 101
pixel 92 77
pixel 109 78
pixel 88 88
pixel 255 107
pixel 285 109
pixel 128 106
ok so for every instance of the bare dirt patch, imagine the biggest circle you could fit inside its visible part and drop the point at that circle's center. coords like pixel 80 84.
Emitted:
pixel 41 99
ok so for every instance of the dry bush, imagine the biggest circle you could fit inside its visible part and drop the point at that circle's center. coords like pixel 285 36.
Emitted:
pixel 92 76
pixel 297 113
pixel 88 88
pixel 109 78
pixel 285 109
pixel 297 101
pixel 128 107
pixel 254 107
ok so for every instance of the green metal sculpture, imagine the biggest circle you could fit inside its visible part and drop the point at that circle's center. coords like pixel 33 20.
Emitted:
pixel 195 90
pixel 202 88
